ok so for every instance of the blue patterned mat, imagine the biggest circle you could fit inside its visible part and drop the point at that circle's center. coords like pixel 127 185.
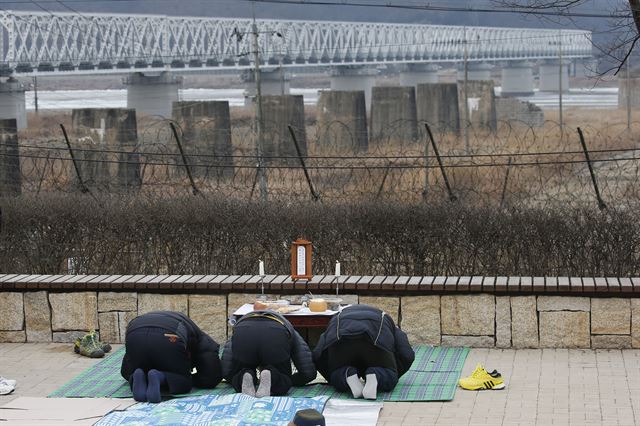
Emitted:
pixel 215 410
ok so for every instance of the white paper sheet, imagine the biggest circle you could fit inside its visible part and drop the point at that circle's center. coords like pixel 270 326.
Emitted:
pixel 44 411
pixel 346 412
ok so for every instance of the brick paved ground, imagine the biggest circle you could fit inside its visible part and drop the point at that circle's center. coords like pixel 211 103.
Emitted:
pixel 544 387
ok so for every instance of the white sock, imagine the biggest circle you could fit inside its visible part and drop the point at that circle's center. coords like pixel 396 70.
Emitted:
pixel 370 387
pixel 355 385
pixel 248 388
pixel 264 388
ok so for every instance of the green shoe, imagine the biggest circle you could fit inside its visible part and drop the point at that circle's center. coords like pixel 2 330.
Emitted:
pixel 88 346
pixel 106 348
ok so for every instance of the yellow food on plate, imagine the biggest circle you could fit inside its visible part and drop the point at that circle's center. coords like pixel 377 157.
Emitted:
pixel 287 309
pixel 274 305
pixel 317 305
pixel 259 306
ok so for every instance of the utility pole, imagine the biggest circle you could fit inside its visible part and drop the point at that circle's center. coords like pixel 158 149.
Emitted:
pixel 560 85
pixel 282 77
pixel 259 122
pixel 466 94
pixel 628 84
pixel 35 92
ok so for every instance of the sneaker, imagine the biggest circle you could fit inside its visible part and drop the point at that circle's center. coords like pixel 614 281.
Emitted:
pixel 106 348
pixel 5 388
pixel 480 379
pixel 8 381
pixel 88 346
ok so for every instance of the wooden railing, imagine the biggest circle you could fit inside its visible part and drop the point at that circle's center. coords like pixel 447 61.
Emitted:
pixel 324 283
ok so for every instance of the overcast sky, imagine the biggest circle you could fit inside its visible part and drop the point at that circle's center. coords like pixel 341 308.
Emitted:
pixel 241 8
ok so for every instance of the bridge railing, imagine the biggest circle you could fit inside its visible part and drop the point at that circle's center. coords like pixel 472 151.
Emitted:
pixel 66 40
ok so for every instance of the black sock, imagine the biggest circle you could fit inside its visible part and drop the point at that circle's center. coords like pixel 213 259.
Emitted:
pixel 156 379
pixel 139 385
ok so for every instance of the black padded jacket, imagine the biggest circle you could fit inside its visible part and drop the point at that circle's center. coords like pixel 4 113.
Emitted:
pixel 202 348
pixel 300 352
pixel 363 320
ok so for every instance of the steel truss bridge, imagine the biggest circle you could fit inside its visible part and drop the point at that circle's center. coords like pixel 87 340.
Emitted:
pixel 52 43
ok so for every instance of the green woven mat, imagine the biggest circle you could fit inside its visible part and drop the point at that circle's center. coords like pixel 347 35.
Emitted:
pixel 433 377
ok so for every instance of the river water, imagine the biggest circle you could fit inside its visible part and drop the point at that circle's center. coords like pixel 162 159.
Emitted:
pixel 69 99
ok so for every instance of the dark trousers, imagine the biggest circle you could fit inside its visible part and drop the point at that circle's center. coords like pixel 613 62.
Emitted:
pixel 150 348
pixel 261 343
pixel 359 356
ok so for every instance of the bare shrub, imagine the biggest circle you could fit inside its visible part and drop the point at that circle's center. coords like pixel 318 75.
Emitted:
pixel 116 235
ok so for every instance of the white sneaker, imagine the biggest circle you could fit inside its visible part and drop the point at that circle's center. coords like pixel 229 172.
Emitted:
pixel 6 389
pixel 10 382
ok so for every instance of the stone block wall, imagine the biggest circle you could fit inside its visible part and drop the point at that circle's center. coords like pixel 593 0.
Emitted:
pixel 476 320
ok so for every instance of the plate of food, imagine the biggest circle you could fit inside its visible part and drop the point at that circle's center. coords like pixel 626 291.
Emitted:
pixel 280 306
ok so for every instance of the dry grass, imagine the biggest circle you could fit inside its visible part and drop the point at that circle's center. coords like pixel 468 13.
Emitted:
pixel 398 174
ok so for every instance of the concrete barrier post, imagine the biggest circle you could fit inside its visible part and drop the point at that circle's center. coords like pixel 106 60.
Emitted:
pixel 10 176
pixel 482 104
pixel 206 127
pixel 278 113
pixel 107 140
pixel 394 114
pixel 12 102
pixel 342 120
pixel 438 106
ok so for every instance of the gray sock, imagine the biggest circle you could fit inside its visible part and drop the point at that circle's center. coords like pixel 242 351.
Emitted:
pixel 355 385
pixel 370 387
pixel 248 388
pixel 264 388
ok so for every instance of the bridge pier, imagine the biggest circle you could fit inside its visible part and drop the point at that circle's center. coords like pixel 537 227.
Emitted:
pixel 152 94
pixel 517 79
pixel 415 74
pixel 12 102
pixel 350 78
pixel 476 71
pixel 550 76
pixel 273 82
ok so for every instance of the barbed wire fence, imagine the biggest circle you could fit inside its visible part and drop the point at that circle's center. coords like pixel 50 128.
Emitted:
pixel 515 165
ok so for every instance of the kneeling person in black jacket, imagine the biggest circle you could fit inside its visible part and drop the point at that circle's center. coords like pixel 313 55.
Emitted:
pixel 162 348
pixel 363 342
pixel 265 340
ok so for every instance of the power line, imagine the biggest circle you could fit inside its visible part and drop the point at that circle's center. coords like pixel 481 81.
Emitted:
pixel 387 5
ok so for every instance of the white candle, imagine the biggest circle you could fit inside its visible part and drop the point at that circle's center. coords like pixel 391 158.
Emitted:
pixel 261 268
pixel 337 268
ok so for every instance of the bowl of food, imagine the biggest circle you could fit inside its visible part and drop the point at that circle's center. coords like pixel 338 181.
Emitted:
pixel 333 303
